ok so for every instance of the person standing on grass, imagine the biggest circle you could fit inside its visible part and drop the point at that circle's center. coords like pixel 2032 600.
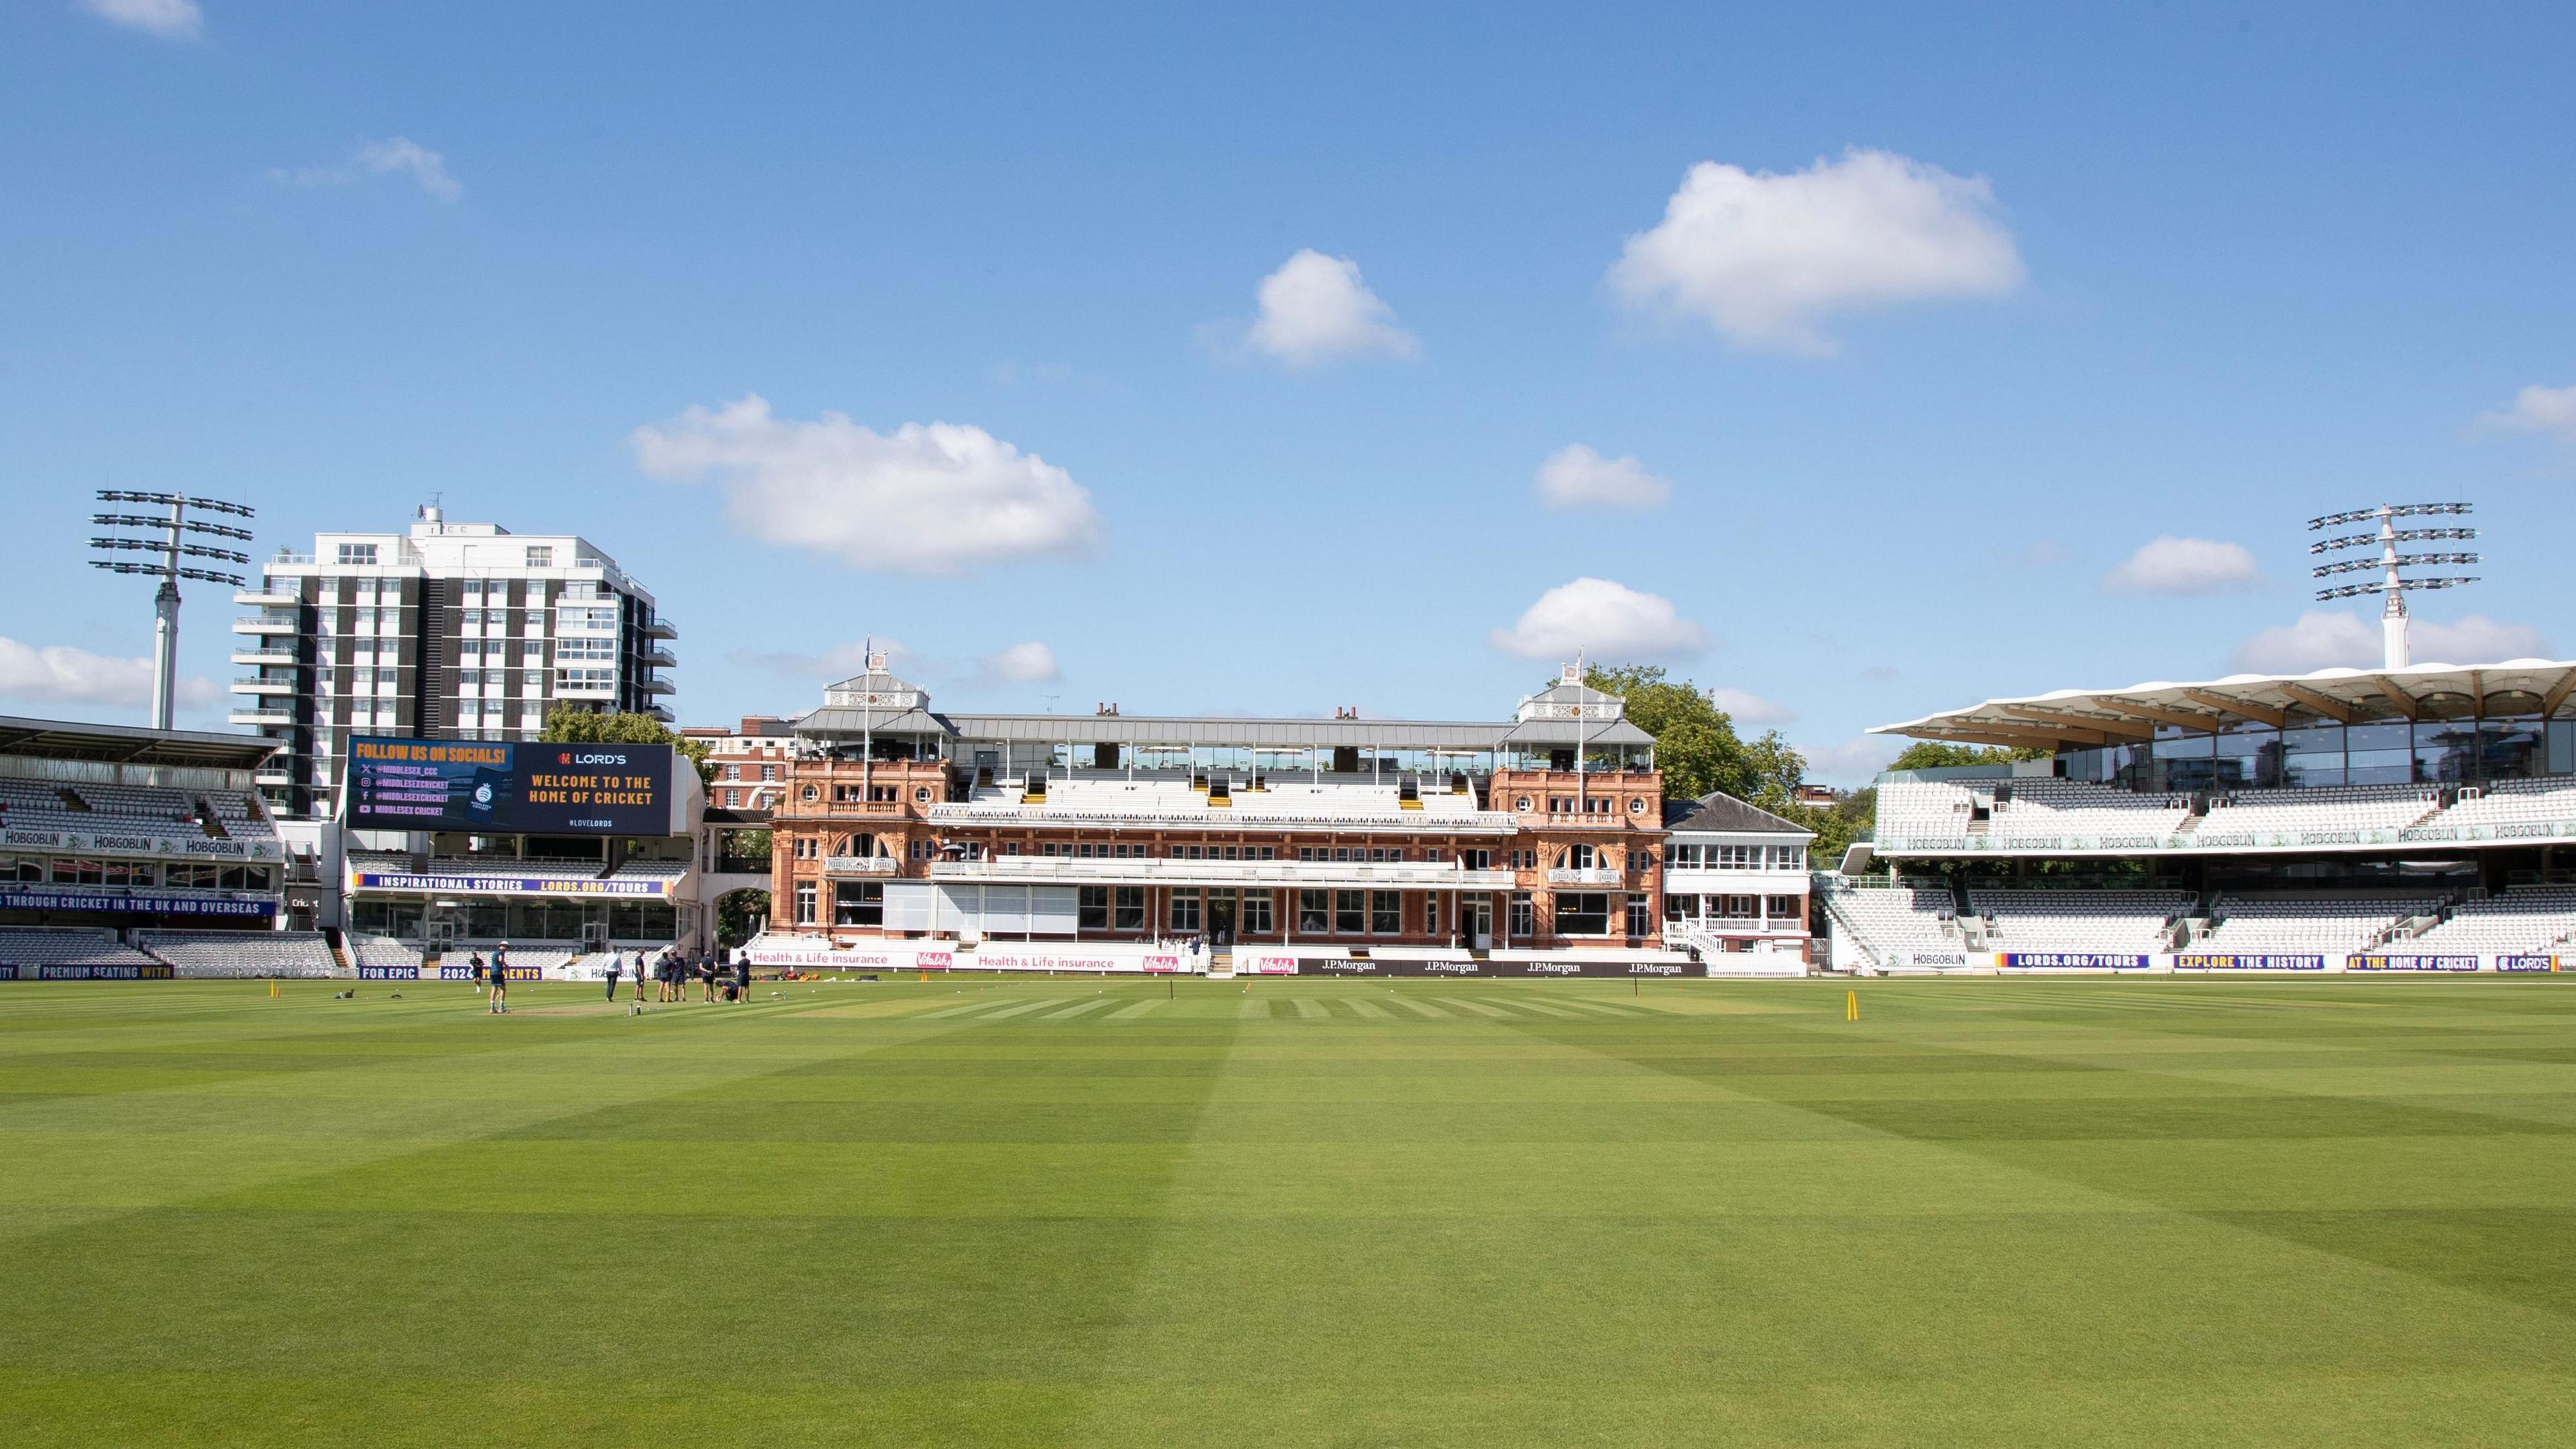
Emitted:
pixel 614 961
pixel 639 976
pixel 741 974
pixel 477 959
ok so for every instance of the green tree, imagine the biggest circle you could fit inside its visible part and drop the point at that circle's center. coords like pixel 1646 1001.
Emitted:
pixel 1699 750
pixel 738 914
pixel 1696 744
pixel 1936 755
pixel 569 724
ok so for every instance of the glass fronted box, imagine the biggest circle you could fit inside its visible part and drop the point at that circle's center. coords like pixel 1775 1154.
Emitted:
pixel 2323 752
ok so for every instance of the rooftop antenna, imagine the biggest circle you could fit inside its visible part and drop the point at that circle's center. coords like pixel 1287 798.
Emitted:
pixel 169 547
pixel 2392 585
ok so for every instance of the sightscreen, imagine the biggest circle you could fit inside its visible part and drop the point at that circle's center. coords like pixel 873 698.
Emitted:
pixel 509 788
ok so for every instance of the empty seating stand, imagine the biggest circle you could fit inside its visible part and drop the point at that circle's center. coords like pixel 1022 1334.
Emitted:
pixel 2043 813
pixel 2320 816
pixel 2526 920
pixel 240 953
pixel 382 951
pixel 37 946
pixel 2307 927
pixel 2508 809
pixel 1891 925
pixel 2119 921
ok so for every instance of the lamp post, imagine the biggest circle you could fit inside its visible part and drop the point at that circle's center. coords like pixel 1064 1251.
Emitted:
pixel 2390 564
pixel 170 547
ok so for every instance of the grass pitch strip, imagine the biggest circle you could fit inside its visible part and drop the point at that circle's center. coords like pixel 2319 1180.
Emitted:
pixel 1352 1213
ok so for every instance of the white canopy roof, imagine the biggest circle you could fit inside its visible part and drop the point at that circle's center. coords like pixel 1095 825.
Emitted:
pixel 2080 718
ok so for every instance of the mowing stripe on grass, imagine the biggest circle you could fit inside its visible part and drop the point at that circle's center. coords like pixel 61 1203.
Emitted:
pixel 1008 1011
pixel 1077 1009
pixel 1130 1013
pixel 1371 1010
pixel 1477 1007
pixel 1424 1008
pixel 963 1010
pixel 1540 1009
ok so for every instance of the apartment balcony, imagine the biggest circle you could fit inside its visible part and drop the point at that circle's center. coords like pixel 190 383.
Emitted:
pixel 663 713
pixel 658 657
pixel 1433 875
pixel 272 658
pixel 264 599
pixel 263 686
pixel 261 717
pixel 1594 876
pixel 661 629
pixel 276 777
pixel 652 684
pixel 860 865
pixel 267 624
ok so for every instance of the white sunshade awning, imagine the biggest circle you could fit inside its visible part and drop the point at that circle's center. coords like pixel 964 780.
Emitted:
pixel 2082 718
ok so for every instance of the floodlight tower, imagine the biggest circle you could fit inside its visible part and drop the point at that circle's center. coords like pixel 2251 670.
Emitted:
pixel 171 548
pixel 2393 584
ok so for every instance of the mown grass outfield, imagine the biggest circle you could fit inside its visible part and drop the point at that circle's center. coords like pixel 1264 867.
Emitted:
pixel 1026 1212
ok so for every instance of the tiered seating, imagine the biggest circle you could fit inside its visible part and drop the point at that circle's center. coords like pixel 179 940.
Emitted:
pixel 383 951
pixel 1923 810
pixel 2509 803
pixel 2048 810
pixel 652 870
pixel 240 953
pixel 65 946
pixel 2324 812
pixel 139 809
pixel 2524 920
pixel 34 804
pixel 2328 927
pixel 2068 920
pixel 521 957
pixel 1889 924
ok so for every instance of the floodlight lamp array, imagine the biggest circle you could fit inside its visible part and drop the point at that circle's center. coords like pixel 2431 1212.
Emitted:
pixel 124 566
pixel 2357 591
pixel 2403 561
pixel 2400 510
pixel 2401 535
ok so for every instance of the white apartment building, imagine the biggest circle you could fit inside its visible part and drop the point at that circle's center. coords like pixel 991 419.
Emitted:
pixel 448 631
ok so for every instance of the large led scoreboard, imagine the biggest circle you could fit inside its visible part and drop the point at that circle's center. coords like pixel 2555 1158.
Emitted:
pixel 509 788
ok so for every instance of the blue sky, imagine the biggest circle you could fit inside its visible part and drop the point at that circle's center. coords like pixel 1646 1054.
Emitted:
pixel 1988 300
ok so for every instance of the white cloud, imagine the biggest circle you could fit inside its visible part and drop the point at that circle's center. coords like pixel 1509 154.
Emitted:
pixel 61 674
pixel 1315 309
pixel 2536 409
pixel 2326 640
pixel 1574 476
pixel 168 19
pixel 399 155
pixel 1854 762
pixel 1746 707
pixel 1609 621
pixel 841 661
pixel 1764 257
pixel 2169 565
pixel 924 499
pixel 1028 663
